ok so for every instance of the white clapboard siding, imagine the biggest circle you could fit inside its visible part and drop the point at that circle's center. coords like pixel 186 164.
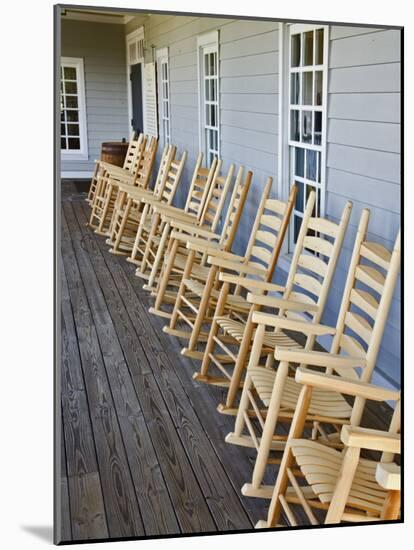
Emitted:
pixel 363 157
pixel 102 48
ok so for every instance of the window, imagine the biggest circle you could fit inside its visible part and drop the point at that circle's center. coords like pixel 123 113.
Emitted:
pixel 164 87
pixel 307 116
pixel 73 140
pixel 209 109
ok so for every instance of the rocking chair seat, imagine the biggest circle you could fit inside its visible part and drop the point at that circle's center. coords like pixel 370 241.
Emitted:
pixel 271 339
pixel 321 467
pixel 323 402
pixel 234 301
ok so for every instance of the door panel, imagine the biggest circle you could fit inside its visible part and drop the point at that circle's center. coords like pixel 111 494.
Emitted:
pixel 136 95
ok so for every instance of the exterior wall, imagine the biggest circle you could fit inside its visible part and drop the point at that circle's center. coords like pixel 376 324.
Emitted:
pixel 102 47
pixel 363 156
pixel 248 53
pixel 363 135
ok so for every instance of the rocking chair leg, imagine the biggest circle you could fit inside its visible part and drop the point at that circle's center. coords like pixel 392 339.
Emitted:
pixel 202 310
pixel 123 224
pixel 163 282
pixel 241 362
pixel 214 330
pixel 159 255
pixel 270 425
pixel 296 430
pixel 181 288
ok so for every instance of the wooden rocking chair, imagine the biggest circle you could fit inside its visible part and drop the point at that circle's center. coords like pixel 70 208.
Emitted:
pixel 304 294
pixel 133 203
pixel 180 263
pixel 135 147
pixel 342 486
pixel 278 392
pixel 197 193
pixel 107 191
pixel 158 241
pixel 262 251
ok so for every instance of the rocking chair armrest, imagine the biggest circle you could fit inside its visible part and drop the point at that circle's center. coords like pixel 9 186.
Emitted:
pixel 250 283
pixel 319 358
pixel 227 260
pixel 374 440
pixel 344 385
pixel 305 327
pixel 280 303
pixel 202 232
pixel 388 476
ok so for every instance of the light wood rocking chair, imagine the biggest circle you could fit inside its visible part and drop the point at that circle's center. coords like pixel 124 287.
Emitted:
pixel 134 202
pixel 341 485
pixel 304 294
pixel 278 391
pixel 134 150
pixel 106 193
pixel 197 193
pixel 179 262
pixel 262 251
pixel 158 242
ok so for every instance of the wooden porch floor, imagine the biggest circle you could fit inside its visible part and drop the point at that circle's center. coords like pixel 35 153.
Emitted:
pixel 143 449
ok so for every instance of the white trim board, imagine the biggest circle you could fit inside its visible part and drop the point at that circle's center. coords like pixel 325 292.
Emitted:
pixel 77 175
pixel 82 153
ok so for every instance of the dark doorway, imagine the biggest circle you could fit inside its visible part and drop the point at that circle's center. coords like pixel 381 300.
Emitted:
pixel 136 95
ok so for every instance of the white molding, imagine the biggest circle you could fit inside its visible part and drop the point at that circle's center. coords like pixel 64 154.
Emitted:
pixel 207 43
pixel 82 154
pixel 137 34
pixel 208 39
pixel 82 174
pixel 95 18
pixel 161 53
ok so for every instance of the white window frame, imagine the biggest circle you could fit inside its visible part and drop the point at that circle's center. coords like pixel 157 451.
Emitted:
pixel 207 43
pixel 134 38
pixel 165 117
pixel 82 153
pixel 285 169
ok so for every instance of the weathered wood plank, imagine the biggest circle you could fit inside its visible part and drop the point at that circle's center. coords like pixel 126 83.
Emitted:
pixel 123 515
pixel 63 527
pixel 214 482
pixel 174 377
pixel 189 505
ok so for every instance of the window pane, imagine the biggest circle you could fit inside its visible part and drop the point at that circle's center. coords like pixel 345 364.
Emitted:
pixel 62 129
pixel 311 164
pixel 294 125
pixel 62 116
pixel 295 50
pixel 294 89
pixel 69 73
pixel 63 143
pixel 296 227
pixel 206 65
pixel 73 129
pixel 308 48
pixel 166 109
pixel 72 116
pixel 299 162
pixel 318 88
pixel 71 102
pixel 307 126
pixel 319 47
pixel 71 88
pixel 213 115
pixel 213 70
pixel 318 128
pixel 299 197
pixel 307 88
pixel 213 89
pixel 73 143
pixel 207 90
